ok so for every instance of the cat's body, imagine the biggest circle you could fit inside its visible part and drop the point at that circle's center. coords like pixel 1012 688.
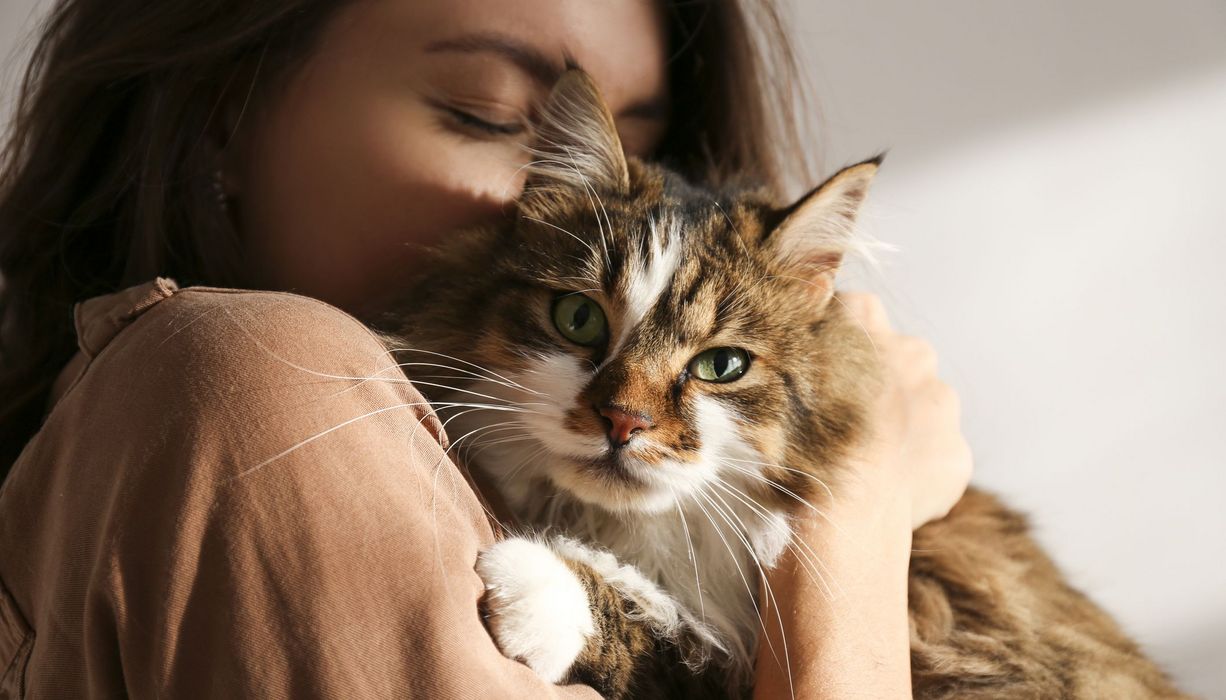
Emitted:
pixel 654 377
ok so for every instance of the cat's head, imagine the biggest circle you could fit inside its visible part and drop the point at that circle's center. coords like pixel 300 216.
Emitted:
pixel 635 339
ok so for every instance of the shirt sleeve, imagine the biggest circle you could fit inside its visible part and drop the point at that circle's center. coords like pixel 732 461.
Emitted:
pixel 296 529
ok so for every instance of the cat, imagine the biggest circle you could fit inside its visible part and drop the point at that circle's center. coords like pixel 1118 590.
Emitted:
pixel 654 375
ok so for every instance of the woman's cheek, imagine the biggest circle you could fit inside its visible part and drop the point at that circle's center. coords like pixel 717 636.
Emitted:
pixel 339 211
pixel 419 183
pixel 450 181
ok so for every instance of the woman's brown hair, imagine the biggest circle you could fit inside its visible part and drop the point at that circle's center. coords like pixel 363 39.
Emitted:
pixel 106 182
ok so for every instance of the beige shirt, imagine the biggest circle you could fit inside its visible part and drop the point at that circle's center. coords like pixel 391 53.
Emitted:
pixel 220 505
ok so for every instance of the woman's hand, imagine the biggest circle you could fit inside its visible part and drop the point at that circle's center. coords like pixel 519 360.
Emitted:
pixel 916 451
pixel 840 609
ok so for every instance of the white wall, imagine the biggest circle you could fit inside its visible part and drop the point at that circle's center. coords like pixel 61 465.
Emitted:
pixel 1055 186
pixel 17 19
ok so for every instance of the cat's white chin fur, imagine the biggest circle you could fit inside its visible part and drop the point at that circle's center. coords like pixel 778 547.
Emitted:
pixel 614 498
pixel 538 611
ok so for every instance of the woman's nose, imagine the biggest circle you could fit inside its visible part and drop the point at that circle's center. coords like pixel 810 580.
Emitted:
pixel 623 424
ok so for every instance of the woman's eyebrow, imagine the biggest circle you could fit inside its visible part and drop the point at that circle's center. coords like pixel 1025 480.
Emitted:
pixel 528 58
pixel 536 64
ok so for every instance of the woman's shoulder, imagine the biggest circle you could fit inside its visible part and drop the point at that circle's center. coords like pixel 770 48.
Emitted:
pixel 255 452
pixel 238 323
pixel 208 333
pixel 243 371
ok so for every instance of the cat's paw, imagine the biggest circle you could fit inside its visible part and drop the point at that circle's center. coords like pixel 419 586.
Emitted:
pixel 537 610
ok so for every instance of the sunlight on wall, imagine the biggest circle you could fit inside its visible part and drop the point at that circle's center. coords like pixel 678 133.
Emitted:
pixel 1062 248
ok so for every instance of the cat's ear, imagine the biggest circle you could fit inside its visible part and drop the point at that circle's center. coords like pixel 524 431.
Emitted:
pixel 814 233
pixel 575 147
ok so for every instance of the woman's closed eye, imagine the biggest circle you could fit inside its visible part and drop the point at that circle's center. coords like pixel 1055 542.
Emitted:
pixel 470 122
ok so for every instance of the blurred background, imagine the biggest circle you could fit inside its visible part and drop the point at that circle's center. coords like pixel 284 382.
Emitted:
pixel 1055 190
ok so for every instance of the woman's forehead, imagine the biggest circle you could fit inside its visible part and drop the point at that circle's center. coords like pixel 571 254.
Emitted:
pixel 623 44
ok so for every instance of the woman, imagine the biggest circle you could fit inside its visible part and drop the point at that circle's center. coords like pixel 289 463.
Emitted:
pixel 158 536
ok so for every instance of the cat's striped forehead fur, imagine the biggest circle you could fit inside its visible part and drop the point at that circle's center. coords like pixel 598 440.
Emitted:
pixel 675 270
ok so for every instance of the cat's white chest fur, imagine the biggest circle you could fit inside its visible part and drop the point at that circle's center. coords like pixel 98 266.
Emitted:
pixel 708 556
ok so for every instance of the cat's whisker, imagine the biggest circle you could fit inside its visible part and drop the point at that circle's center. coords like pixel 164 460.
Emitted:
pixel 483 444
pixel 470 436
pixel 322 433
pixel 738 237
pixel 460 370
pixel 524 462
pixel 417 377
pixel 599 225
pixel 802 548
pixel 445 405
pixel 440 406
pixel 460 464
pixel 791 470
pixel 512 424
pixel 784 490
pixel 591 193
pixel 584 243
pixel 516 405
pixel 771 600
pixel 506 190
pixel 448 398
pixel 289 363
pixel 466 362
pixel 753 597
pixel 689 543
pixel 856 320
pixel 574 167
pixel 750 592
pixel 810 561
pixel 486 443
pixel 362 379
pixel 460 461
pixel 584 280
pixel 421 380
pixel 739 293
pixel 411 404
pixel 810 552
pixel 471 385
pixel 550 160
pixel 608 222
pixel 778 487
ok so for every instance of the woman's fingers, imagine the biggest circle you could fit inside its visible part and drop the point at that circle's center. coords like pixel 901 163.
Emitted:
pixel 917 446
pixel 917 356
pixel 868 310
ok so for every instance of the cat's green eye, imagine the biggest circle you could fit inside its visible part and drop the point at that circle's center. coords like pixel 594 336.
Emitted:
pixel 580 320
pixel 720 364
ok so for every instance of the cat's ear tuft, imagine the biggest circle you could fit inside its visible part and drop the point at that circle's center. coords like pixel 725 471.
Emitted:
pixel 575 147
pixel 819 229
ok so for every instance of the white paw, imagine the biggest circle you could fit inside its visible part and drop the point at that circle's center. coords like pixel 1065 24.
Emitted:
pixel 538 610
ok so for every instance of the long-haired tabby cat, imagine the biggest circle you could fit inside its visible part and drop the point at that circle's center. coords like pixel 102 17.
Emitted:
pixel 655 376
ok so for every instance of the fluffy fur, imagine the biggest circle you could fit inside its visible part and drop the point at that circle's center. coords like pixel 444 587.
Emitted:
pixel 537 610
pixel 667 534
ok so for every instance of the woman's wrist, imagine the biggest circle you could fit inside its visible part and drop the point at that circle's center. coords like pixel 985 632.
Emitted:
pixel 842 601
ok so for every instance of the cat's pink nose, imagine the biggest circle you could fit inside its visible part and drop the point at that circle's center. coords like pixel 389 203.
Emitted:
pixel 623 424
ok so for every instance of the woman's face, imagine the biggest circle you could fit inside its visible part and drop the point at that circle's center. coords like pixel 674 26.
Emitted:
pixel 409 120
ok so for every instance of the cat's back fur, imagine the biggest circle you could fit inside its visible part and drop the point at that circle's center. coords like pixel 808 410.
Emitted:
pixel 992 616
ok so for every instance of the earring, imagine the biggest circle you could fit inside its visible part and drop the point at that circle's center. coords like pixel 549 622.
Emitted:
pixel 219 191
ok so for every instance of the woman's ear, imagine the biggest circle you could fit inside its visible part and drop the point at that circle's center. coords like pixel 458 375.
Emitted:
pixel 575 149
pixel 816 231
